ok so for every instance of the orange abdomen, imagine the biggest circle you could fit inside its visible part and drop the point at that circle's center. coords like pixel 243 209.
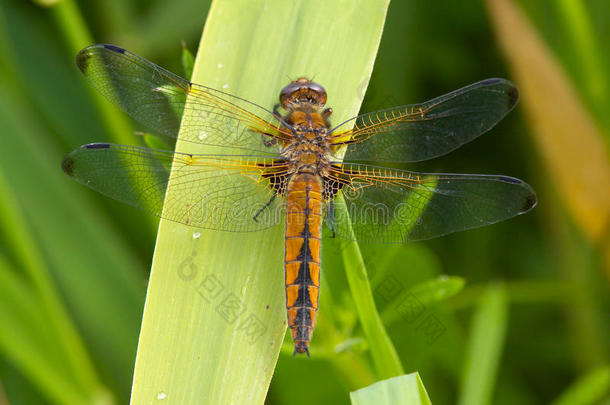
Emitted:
pixel 303 231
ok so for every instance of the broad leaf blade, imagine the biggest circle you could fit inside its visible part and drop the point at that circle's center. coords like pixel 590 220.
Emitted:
pixel 403 390
pixel 215 312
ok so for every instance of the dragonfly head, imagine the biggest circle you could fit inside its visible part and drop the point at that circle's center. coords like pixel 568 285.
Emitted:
pixel 302 91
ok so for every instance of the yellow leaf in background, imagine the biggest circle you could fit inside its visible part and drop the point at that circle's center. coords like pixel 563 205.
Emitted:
pixel 568 141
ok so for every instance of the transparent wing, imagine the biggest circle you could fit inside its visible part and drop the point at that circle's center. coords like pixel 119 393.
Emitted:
pixel 397 206
pixel 418 132
pixel 157 99
pixel 208 191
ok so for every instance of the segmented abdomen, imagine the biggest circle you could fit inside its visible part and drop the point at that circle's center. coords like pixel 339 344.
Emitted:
pixel 303 229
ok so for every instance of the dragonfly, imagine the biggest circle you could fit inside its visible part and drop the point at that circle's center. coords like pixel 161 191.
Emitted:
pixel 289 164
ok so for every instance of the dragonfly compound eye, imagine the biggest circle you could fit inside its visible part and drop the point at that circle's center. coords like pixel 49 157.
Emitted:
pixel 303 91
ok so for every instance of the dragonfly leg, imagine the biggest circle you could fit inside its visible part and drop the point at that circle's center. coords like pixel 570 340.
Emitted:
pixel 264 207
pixel 268 142
pixel 330 217
pixel 276 111
pixel 327 112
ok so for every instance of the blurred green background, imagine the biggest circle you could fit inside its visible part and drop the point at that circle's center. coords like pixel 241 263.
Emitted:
pixel 524 317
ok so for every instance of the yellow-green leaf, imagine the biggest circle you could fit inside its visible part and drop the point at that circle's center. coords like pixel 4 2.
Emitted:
pixel 215 312
pixel 402 390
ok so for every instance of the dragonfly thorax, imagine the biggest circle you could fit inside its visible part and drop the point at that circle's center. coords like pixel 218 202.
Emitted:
pixel 308 153
pixel 309 150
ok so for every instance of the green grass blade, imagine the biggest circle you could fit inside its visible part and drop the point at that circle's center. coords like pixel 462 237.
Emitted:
pixel 188 62
pixel 426 293
pixel 28 340
pixel 59 326
pixel 587 390
pixel 586 49
pixel 76 34
pixel 164 25
pixel 438 289
pixel 403 390
pixel 385 357
pixel 58 226
pixel 485 347
pixel 215 319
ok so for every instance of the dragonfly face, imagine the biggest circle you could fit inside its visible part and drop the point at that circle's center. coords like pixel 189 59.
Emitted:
pixel 302 92
pixel 286 163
